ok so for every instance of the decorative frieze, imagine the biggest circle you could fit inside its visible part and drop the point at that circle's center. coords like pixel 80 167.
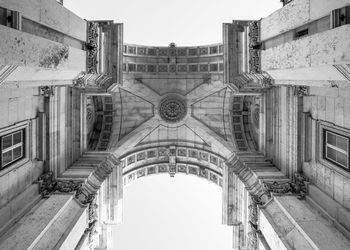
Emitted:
pixel 173 50
pixel 92 47
pixel 254 48
pixel 174 67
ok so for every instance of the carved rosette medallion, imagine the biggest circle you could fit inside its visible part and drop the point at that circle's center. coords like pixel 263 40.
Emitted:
pixel 172 109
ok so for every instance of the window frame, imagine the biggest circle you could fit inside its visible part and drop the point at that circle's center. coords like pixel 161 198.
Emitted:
pixel 322 127
pixel 11 148
pixel 26 128
pixel 327 145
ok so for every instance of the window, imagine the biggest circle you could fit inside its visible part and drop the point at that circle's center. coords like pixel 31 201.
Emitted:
pixel 301 33
pixel 10 18
pixel 12 148
pixel 340 16
pixel 336 148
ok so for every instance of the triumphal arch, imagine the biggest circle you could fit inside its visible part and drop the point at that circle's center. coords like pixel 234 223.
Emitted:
pixel 264 114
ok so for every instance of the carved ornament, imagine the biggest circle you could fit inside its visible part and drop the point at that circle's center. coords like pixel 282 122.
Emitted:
pixel 298 185
pixel 47 91
pixel 92 47
pixel 172 109
pixel 302 91
pixel 254 48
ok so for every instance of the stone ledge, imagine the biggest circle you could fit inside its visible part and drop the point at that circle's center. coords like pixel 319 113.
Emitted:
pixel 18 207
pixel 29 229
pixel 331 209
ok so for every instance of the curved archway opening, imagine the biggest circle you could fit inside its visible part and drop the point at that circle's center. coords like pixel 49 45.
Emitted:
pixel 172 213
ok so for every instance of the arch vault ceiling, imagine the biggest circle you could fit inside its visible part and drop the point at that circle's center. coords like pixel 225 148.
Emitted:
pixel 172 96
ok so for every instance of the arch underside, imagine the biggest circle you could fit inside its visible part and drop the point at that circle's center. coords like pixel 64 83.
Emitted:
pixel 173 160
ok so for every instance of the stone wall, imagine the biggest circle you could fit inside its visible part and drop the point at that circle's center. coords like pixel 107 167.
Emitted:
pixel 289 17
pixel 24 49
pixel 333 106
pixel 51 14
pixel 296 14
pixel 17 106
pixel 325 48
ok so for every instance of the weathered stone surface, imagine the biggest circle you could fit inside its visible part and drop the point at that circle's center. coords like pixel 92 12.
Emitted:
pixel 24 49
pixel 50 14
pixel 325 48
pixel 291 16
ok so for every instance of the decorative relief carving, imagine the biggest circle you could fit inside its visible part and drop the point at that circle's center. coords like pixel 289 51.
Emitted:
pixel 298 185
pixel 79 81
pixel 47 91
pixel 254 47
pixel 92 47
pixel 253 224
pixel 48 185
pixel 302 91
pixel 172 109
pixel 84 80
pixel 267 82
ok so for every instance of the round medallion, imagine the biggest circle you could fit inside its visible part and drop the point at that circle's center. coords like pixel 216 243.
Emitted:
pixel 172 109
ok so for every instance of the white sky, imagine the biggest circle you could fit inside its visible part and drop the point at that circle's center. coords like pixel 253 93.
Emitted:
pixel 181 213
pixel 160 22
